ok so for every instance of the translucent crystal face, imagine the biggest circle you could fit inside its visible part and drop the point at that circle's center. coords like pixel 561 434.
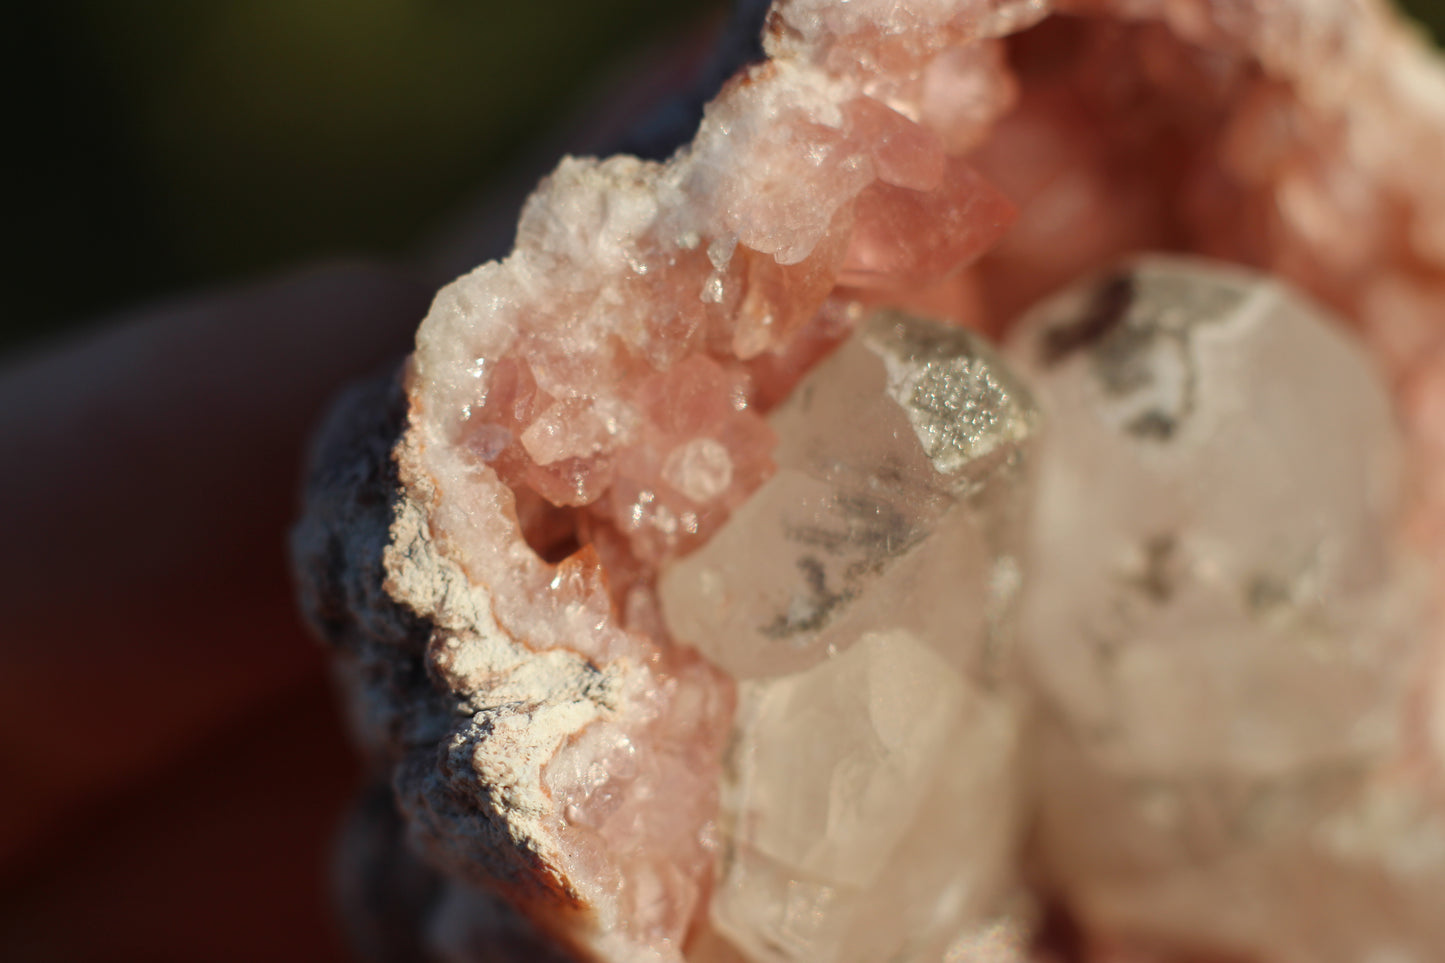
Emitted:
pixel 863 595
pixel 888 455
pixel 1214 515
pixel 1218 623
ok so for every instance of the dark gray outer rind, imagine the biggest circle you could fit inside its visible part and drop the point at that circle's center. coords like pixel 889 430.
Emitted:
pixel 384 892
pixel 674 121
pixel 338 549
pixel 414 733
pixel 393 905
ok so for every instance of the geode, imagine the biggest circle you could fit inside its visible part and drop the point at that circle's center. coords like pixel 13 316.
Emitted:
pixel 710 588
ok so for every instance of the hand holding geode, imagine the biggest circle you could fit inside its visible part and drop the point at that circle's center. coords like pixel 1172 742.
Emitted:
pixel 827 749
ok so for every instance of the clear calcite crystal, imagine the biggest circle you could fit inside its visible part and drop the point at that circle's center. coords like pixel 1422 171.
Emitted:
pixel 1220 623
pixel 895 503
pixel 864 595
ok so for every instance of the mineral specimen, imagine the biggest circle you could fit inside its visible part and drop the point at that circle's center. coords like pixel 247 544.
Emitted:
pixel 1223 724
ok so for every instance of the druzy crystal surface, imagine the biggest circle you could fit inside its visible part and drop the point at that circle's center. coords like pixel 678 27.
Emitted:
pixel 1224 737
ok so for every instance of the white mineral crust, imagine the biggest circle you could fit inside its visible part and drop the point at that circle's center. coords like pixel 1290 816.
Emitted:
pixel 871 809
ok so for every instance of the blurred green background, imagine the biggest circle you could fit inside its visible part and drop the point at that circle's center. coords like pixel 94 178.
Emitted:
pixel 163 145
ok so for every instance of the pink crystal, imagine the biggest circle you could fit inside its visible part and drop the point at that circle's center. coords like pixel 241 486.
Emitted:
pixel 904 239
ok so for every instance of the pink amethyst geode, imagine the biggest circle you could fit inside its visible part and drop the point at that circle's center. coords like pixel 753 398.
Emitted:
pixel 587 412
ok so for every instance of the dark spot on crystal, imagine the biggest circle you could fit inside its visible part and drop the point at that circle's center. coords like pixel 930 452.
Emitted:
pixel 814 575
pixel 818 608
pixel 865 524
pixel 1265 595
pixel 1123 361
pixel 1154 425
pixel 1109 306
pixel 1159 578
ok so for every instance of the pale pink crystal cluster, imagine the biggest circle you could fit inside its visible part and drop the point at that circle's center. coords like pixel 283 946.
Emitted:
pixel 592 408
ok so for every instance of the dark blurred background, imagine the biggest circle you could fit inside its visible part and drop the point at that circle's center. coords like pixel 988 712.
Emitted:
pixel 166 145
